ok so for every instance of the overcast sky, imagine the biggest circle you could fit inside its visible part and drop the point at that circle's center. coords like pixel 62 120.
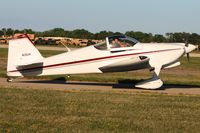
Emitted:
pixel 155 16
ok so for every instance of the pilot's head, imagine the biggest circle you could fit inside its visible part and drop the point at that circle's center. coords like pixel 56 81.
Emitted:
pixel 116 40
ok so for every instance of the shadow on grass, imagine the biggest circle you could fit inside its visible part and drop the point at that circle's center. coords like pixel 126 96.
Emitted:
pixel 179 86
pixel 62 80
pixel 121 84
pixel 164 87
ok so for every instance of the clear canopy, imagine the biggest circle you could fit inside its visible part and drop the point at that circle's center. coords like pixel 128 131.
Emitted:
pixel 120 41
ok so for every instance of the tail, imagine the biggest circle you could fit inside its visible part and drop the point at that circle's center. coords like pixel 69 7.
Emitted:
pixel 21 52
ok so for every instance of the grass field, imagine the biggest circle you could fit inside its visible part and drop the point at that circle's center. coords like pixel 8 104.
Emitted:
pixel 178 75
pixel 26 110
pixel 46 110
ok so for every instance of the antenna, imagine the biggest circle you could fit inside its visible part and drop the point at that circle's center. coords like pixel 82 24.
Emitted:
pixel 68 50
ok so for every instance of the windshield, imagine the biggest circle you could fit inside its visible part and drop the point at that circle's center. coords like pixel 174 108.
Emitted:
pixel 121 41
pixel 116 42
pixel 101 46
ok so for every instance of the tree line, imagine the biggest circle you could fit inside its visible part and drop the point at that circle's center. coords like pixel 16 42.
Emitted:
pixel 184 37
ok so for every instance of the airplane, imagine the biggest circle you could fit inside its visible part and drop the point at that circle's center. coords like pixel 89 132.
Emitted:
pixel 116 53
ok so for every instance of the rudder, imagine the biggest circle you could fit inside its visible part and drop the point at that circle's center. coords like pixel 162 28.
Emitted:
pixel 21 52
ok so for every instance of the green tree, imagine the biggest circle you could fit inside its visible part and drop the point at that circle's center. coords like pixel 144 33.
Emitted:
pixel 10 32
pixel 1 33
pixel 180 37
pixel 80 33
pixel 28 31
pixel 102 35
pixel 159 38
pixel 142 37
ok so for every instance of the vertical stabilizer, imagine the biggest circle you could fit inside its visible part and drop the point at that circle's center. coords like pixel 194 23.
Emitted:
pixel 21 52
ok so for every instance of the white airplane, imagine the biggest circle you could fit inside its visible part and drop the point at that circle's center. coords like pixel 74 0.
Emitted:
pixel 115 54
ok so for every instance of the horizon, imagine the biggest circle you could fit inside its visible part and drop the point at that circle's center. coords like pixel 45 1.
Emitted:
pixel 155 16
pixel 164 34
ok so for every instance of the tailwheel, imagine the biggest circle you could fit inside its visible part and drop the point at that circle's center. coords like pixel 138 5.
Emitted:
pixel 9 79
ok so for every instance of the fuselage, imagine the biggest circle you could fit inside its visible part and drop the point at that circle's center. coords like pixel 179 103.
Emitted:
pixel 90 59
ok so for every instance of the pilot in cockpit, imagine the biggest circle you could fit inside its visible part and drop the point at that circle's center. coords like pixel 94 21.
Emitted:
pixel 117 44
pixel 121 42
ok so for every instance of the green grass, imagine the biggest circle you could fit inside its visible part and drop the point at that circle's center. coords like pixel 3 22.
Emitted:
pixel 23 110
pixel 3 52
pixel 193 64
pixel 47 53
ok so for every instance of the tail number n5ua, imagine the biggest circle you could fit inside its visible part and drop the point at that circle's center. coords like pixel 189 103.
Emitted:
pixel 115 54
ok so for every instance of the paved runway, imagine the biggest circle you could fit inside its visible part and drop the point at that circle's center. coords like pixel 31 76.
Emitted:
pixel 92 86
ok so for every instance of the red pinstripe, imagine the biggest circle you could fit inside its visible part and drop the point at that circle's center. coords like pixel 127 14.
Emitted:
pixel 89 60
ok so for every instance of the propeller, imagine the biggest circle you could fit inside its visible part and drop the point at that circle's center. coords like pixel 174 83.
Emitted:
pixel 186 45
pixel 188 57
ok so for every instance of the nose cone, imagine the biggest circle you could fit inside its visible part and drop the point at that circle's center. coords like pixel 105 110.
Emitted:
pixel 190 48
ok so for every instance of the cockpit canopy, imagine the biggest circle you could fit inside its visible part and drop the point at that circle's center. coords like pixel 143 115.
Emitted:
pixel 120 41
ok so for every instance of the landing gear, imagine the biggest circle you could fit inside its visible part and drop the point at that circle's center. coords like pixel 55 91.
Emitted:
pixel 9 79
pixel 152 83
pixel 68 76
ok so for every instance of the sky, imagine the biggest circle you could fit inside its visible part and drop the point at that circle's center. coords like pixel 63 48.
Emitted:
pixel 151 16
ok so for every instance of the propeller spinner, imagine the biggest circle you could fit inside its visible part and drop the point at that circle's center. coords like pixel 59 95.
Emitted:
pixel 189 48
